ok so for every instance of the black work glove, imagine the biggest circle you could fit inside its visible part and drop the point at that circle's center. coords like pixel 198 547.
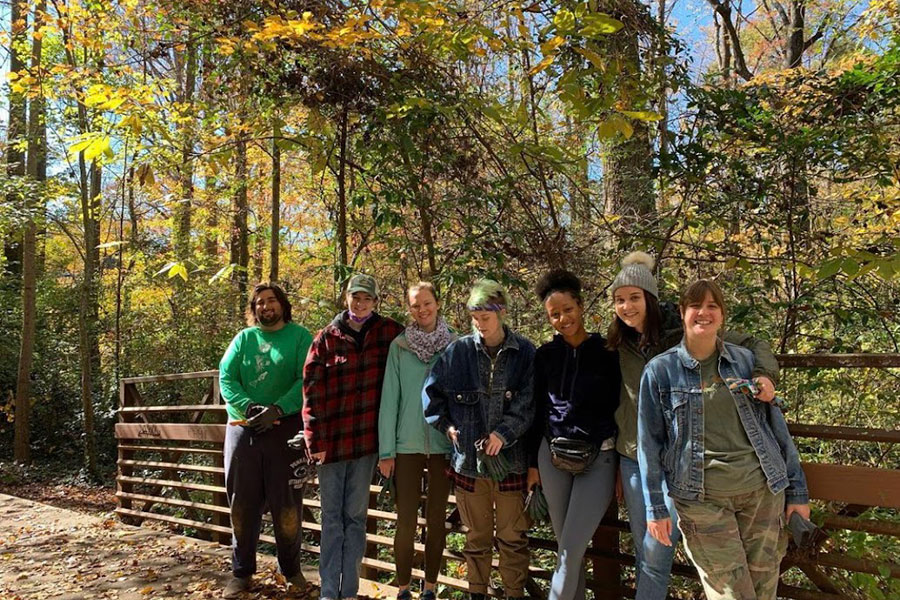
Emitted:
pixel 386 495
pixel 804 532
pixel 536 504
pixel 496 467
pixel 262 418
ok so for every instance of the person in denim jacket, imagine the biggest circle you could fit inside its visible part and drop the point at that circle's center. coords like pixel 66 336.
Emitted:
pixel 480 390
pixel 643 327
pixel 728 460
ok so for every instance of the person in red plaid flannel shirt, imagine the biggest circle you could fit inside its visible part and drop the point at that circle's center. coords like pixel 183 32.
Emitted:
pixel 342 382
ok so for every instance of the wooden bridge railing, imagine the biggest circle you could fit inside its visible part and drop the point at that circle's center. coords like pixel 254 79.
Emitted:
pixel 171 469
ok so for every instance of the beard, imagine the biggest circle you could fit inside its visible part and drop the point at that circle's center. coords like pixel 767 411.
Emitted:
pixel 269 319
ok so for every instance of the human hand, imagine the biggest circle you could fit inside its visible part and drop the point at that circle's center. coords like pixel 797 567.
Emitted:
pixel 800 509
pixel 452 434
pixel 533 478
pixel 661 530
pixel 317 457
pixel 766 389
pixel 386 466
pixel 493 445
pixel 264 419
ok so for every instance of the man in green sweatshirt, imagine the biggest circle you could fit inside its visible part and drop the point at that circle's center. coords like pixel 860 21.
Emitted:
pixel 261 378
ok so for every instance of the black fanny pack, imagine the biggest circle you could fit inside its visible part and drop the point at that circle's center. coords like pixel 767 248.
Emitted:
pixel 573 456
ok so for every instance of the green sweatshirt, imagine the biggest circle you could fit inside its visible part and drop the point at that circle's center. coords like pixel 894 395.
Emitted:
pixel 264 367
pixel 401 422
pixel 632 362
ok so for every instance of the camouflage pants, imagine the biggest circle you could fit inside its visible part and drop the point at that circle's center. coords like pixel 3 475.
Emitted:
pixel 736 543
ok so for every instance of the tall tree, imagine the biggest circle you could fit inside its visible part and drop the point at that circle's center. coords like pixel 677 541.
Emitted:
pixel 15 158
pixel 36 170
pixel 186 73
pixel 275 240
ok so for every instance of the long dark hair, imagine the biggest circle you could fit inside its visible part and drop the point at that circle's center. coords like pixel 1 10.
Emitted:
pixel 259 288
pixel 619 331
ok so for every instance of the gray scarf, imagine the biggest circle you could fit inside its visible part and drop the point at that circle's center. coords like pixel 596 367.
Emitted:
pixel 424 344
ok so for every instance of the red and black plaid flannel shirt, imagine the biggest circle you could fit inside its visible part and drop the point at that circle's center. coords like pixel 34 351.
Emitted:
pixel 342 388
pixel 514 482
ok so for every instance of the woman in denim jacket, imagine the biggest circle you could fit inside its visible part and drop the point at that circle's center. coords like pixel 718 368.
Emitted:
pixel 480 391
pixel 643 327
pixel 728 459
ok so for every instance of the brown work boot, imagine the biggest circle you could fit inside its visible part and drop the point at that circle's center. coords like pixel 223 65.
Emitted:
pixel 236 586
pixel 296 582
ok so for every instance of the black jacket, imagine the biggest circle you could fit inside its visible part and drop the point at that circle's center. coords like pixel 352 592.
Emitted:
pixel 576 392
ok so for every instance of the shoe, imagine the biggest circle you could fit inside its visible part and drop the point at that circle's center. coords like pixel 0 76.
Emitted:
pixel 478 596
pixel 427 595
pixel 404 594
pixel 297 582
pixel 236 586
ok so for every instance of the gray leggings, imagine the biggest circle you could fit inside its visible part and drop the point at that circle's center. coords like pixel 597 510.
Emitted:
pixel 576 503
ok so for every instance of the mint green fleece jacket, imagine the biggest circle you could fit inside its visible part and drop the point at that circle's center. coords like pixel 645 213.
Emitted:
pixel 401 423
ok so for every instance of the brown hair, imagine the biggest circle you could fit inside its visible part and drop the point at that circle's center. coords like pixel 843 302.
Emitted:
pixel 259 288
pixel 619 331
pixel 422 285
pixel 696 293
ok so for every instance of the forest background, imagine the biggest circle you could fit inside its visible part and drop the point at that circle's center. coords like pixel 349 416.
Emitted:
pixel 159 157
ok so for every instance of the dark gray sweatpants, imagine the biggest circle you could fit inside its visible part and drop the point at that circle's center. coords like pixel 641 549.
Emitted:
pixel 257 470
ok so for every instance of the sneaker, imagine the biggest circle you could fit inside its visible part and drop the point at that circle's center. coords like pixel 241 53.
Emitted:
pixel 427 595
pixel 297 582
pixel 404 594
pixel 236 586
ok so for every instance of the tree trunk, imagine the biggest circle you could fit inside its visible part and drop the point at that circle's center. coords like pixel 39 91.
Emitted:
pixel 89 312
pixel 342 192
pixel 795 43
pixel 185 206
pixel 275 240
pixel 15 158
pixel 627 176
pixel 36 170
pixel 240 254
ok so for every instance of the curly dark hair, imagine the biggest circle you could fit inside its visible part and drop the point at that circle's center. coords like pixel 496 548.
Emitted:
pixel 259 288
pixel 558 280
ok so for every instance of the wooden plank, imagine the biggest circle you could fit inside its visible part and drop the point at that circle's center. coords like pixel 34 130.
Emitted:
pixel 174 408
pixel 858 434
pixel 171 377
pixel 171 431
pixel 167 466
pixel 839 361
pixel 852 484
pixel 170 519
pixel 875 526
pixel 164 449
pixel 174 502
pixel 200 487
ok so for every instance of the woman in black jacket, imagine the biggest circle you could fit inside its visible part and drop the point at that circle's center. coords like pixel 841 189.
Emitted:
pixel 572 446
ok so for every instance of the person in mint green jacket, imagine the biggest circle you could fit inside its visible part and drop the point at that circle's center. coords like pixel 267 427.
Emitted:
pixel 261 378
pixel 407 445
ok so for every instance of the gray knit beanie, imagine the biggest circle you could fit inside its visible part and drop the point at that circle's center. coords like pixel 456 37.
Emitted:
pixel 637 271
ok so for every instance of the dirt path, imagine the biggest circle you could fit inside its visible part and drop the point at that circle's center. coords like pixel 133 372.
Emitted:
pixel 49 552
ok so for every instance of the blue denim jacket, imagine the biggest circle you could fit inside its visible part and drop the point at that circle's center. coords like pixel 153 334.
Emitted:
pixel 466 391
pixel 670 430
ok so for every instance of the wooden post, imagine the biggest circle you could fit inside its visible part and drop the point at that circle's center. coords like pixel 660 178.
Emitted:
pixel 220 499
pixel 607 571
pixel 124 455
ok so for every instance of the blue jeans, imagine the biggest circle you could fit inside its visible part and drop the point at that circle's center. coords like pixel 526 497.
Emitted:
pixel 576 504
pixel 344 493
pixel 654 561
